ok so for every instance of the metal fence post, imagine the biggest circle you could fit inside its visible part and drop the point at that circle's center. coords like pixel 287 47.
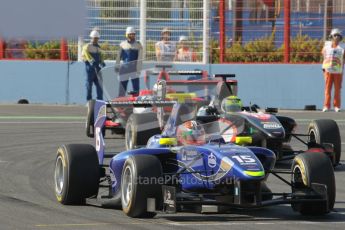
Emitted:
pixel 2 48
pixel 80 47
pixel 222 32
pixel 238 21
pixel 143 10
pixel 287 29
pixel 63 50
pixel 206 27
pixel 328 22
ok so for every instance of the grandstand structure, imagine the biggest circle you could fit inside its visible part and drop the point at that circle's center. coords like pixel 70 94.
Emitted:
pixel 219 31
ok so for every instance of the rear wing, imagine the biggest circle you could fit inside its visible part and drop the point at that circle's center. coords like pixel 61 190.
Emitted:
pixel 198 82
pixel 177 72
pixel 141 104
pixel 200 78
pixel 224 77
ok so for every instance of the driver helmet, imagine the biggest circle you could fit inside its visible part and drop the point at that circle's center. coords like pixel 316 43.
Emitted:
pixel 232 104
pixel 191 133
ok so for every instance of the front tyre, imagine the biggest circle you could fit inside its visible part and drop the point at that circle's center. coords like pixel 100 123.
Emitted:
pixel 308 168
pixel 326 131
pixel 139 181
pixel 76 174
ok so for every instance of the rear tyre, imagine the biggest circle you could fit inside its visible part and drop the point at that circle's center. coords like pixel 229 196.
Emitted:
pixel 90 119
pixel 308 168
pixel 139 129
pixel 134 190
pixel 326 131
pixel 76 174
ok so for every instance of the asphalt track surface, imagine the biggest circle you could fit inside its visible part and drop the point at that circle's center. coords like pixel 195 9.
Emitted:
pixel 30 136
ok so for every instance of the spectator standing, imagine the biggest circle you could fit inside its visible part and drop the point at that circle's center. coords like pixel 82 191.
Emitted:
pixel 333 62
pixel 165 49
pixel 185 54
pixel 93 59
pixel 129 62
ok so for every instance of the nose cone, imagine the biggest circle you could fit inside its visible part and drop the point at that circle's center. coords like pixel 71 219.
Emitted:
pixel 243 162
pixel 232 162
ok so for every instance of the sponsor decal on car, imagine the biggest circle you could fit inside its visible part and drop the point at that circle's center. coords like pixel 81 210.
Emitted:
pixel 245 159
pixel 212 161
pixel 225 166
pixel 271 125
pixel 188 155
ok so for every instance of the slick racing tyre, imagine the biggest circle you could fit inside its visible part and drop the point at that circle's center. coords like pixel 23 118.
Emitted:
pixel 134 191
pixel 308 168
pixel 76 174
pixel 326 131
pixel 139 129
pixel 90 119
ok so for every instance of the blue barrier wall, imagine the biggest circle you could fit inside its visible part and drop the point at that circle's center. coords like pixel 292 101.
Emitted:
pixel 279 85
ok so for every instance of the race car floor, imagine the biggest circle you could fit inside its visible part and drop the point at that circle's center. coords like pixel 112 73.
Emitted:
pixel 30 136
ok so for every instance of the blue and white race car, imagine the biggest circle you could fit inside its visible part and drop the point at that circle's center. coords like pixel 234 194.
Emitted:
pixel 190 166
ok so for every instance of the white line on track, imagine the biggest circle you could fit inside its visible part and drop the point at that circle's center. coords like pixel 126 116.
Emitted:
pixel 4 162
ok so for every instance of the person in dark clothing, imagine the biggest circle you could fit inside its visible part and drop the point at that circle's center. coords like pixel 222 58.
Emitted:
pixel 129 62
pixel 93 59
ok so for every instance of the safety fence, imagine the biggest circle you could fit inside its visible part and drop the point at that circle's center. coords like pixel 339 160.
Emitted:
pixel 149 17
pixel 275 30
pixel 22 49
pixel 218 31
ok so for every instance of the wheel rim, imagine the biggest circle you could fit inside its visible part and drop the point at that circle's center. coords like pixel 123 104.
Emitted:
pixel 127 186
pixel 129 138
pixel 59 175
pixel 312 137
pixel 297 177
